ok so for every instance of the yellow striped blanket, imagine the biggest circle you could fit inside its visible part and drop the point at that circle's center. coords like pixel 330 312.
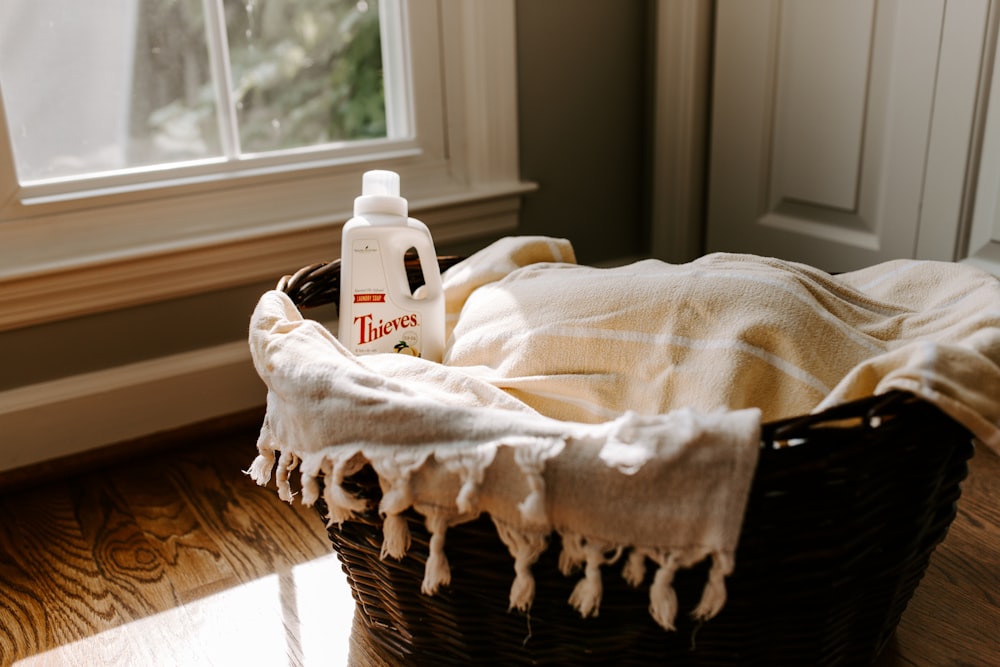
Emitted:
pixel 724 332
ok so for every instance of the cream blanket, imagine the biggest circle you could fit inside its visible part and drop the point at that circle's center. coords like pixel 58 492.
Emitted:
pixel 618 407
pixel 727 332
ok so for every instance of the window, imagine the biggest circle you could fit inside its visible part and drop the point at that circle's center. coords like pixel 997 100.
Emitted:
pixel 243 163
pixel 129 84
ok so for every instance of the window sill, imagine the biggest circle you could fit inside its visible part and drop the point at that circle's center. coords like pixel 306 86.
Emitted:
pixel 142 273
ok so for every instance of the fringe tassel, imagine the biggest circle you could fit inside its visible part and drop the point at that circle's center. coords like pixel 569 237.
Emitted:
pixel 437 572
pixel 394 472
pixel 260 469
pixel 336 513
pixel 586 597
pixel 395 537
pixel 310 489
pixel 468 496
pixel 662 597
pixel 525 548
pixel 531 461
pixel 714 596
pixel 395 532
pixel 532 508
pixel 338 508
pixel 634 571
pixel 471 469
pixel 341 506
pixel 572 555
pixel 286 464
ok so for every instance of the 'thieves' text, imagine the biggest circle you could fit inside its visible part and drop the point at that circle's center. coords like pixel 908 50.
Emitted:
pixel 368 331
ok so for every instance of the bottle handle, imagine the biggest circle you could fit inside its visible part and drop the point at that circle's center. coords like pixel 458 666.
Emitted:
pixel 431 270
pixel 419 241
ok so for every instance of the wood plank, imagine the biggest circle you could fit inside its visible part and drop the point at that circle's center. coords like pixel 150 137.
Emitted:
pixel 192 558
pixel 953 619
pixel 176 558
pixel 257 533
pixel 22 609
pixel 65 593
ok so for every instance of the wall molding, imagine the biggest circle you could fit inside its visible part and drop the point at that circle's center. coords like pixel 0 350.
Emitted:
pixel 980 243
pixel 64 417
pixel 682 79
pixel 241 259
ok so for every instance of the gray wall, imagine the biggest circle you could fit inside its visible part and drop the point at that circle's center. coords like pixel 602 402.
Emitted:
pixel 581 73
pixel 581 108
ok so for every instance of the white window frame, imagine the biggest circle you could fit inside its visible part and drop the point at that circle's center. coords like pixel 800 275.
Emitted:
pixel 65 254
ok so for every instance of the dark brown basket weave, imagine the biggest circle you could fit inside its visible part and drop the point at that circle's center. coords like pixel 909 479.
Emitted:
pixel 838 532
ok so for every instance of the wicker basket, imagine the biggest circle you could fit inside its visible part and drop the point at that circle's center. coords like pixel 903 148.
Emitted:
pixel 837 534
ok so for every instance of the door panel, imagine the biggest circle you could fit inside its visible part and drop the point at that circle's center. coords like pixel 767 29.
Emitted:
pixel 820 128
pixel 819 102
pixel 983 248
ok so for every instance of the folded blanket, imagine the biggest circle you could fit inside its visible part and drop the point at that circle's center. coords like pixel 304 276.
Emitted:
pixel 618 407
pixel 732 331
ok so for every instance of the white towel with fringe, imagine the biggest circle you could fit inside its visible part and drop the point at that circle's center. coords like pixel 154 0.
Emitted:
pixel 618 407
pixel 667 490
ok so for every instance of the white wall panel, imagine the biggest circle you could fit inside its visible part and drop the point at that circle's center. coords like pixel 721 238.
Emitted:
pixel 827 119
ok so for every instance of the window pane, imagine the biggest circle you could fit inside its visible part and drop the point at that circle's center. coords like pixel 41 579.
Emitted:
pixel 101 86
pixel 305 72
pixel 174 109
pixel 93 87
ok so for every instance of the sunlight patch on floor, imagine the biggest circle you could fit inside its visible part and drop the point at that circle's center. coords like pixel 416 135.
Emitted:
pixel 302 617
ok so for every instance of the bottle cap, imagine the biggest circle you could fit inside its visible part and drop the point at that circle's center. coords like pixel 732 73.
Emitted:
pixel 380 194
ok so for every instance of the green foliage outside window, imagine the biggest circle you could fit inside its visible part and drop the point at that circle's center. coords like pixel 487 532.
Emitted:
pixel 304 73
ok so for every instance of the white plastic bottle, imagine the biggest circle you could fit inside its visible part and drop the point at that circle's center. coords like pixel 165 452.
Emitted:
pixel 378 311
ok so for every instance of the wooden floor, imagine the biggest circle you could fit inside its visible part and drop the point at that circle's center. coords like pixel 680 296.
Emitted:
pixel 179 559
pixel 174 559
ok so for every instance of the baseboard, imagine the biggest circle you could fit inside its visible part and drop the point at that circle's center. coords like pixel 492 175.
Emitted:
pixel 86 412
pixel 241 427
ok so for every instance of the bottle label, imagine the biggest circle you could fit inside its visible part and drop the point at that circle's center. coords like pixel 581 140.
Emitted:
pixel 377 325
